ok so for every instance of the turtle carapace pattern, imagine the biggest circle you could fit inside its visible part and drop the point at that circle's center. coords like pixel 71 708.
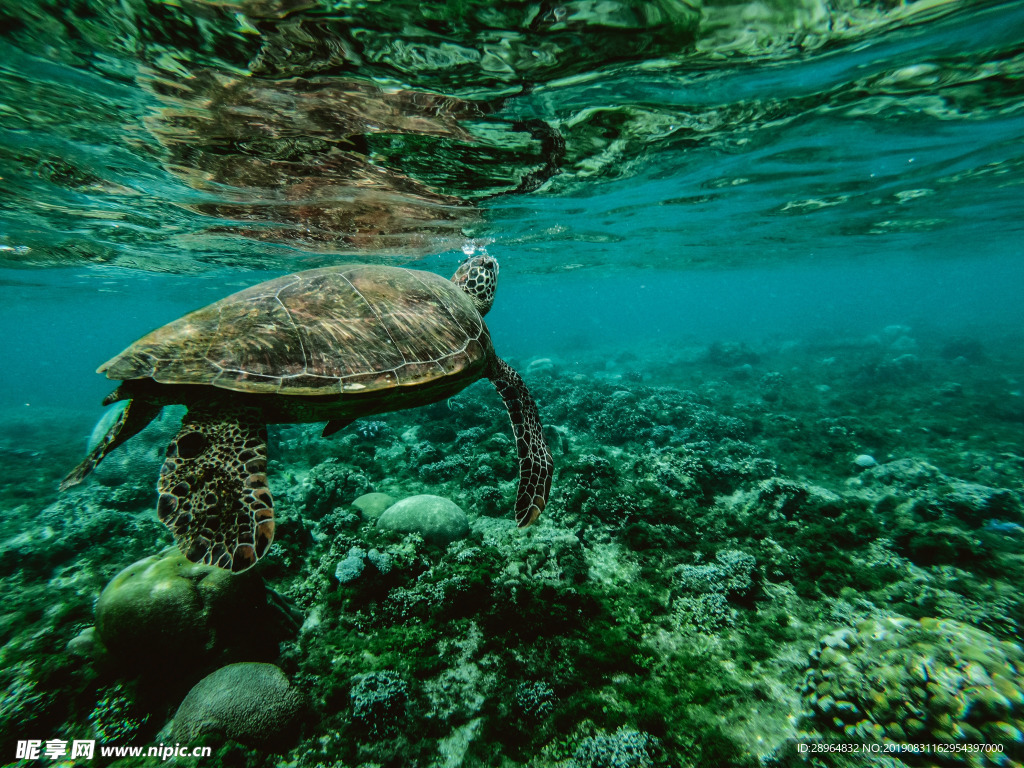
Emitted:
pixel 333 344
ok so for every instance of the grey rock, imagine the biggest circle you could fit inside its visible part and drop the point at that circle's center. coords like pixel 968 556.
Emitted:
pixel 165 611
pixel 140 457
pixel 371 505
pixel 438 520
pixel 251 703
pixel 904 474
pixel 975 503
pixel 86 644
pixel 732 574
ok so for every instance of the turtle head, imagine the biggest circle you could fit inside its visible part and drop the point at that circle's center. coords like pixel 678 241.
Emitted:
pixel 478 277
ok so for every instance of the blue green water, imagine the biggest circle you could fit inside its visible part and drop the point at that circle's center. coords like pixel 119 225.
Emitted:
pixel 649 310
pixel 760 267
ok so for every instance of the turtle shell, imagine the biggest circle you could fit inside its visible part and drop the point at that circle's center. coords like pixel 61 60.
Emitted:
pixel 347 329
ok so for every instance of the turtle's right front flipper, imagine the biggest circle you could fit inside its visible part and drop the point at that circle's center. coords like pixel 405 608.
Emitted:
pixel 535 464
pixel 213 487
pixel 133 419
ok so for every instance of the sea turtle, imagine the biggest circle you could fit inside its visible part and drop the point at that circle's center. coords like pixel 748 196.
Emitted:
pixel 333 344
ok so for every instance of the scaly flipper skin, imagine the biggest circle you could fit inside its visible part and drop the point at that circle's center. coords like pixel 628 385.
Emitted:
pixel 213 487
pixel 535 464
pixel 133 419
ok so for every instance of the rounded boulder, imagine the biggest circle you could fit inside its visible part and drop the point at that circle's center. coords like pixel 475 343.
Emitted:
pixel 252 703
pixel 437 519
pixel 140 457
pixel 372 505
pixel 164 611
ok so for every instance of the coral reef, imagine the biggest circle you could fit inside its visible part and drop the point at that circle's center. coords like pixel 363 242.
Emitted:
pixel 626 748
pixel 352 566
pixel 115 717
pixel 378 702
pixel 330 485
pixel 713 518
pixel 900 681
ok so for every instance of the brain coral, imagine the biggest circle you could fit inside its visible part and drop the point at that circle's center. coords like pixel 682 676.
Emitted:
pixel 169 612
pixel 932 681
pixel 436 518
pixel 252 703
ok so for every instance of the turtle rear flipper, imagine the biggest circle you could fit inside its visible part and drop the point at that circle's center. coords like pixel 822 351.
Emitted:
pixel 213 487
pixel 535 464
pixel 133 419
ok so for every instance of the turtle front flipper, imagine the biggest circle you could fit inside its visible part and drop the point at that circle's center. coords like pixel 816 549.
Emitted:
pixel 135 416
pixel 535 464
pixel 213 487
pixel 335 425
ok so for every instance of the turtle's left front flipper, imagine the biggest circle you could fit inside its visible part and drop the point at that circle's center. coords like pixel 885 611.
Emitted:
pixel 213 487
pixel 535 464
pixel 134 417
